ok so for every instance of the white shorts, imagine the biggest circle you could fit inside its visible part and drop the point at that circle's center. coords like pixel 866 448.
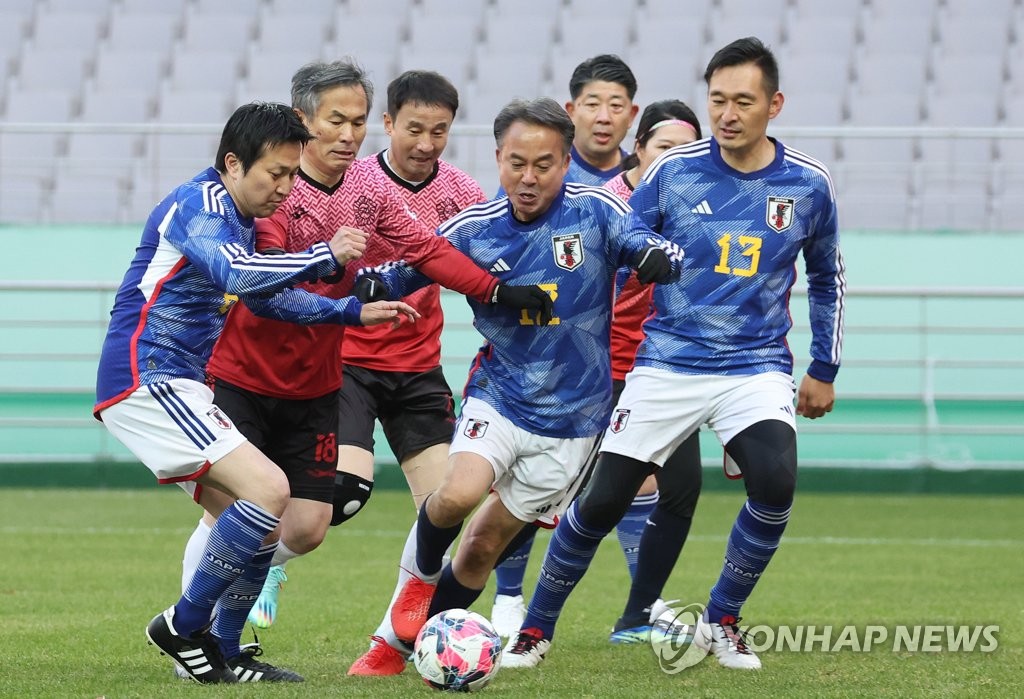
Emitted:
pixel 536 477
pixel 174 428
pixel 659 409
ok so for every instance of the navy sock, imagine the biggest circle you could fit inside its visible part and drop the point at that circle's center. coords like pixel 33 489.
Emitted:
pixel 431 542
pixel 510 574
pixel 631 527
pixel 570 552
pixel 755 537
pixel 234 540
pixel 234 605
pixel 451 594
pixel 660 545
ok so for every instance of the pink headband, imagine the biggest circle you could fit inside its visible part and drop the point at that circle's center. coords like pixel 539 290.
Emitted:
pixel 666 122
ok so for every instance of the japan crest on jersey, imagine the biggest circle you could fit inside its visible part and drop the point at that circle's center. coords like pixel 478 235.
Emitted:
pixel 568 250
pixel 619 419
pixel 475 429
pixel 780 213
pixel 219 417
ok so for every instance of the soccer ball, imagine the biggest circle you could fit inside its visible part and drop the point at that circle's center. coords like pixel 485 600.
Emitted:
pixel 457 651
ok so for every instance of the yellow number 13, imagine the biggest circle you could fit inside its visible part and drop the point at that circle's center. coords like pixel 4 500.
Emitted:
pixel 751 248
pixel 526 319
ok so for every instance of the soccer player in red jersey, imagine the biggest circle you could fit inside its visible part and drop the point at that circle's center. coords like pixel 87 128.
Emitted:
pixel 396 377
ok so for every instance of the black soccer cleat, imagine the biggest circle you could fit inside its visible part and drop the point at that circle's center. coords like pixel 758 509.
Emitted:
pixel 198 655
pixel 248 669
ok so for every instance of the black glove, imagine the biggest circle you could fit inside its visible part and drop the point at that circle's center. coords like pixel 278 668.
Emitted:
pixel 652 265
pixel 369 288
pixel 531 298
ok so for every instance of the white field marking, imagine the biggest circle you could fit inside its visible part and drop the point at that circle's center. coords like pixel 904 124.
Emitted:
pixel 395 533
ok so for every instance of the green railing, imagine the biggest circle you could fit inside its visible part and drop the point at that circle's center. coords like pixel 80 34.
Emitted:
pixel 931 377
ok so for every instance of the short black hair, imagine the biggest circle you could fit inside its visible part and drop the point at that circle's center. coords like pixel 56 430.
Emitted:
pixel 256 127
pixel 542 111
pixel 607 68
pixel 422 87
pixel 657 112
pixel 747 50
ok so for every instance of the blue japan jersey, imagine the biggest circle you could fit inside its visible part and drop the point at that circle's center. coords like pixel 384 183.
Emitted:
pixel 552 380
pixel 196 258
pixel 742 233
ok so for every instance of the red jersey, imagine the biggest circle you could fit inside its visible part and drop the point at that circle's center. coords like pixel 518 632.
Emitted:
pixel 285 360
pixel 632 305
pixel 413 347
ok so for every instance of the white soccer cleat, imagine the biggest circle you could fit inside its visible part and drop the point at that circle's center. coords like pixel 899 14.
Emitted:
pixel 507 615
pixel 661 606
pixel 526 649
pixel 725 640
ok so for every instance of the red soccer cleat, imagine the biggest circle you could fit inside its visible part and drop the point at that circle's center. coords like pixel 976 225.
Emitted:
pixel 380 661
pixel 409 612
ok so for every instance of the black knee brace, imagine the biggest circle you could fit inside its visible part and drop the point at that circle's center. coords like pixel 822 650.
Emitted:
pixel 350 494
pixel 611 490
pixel 766 454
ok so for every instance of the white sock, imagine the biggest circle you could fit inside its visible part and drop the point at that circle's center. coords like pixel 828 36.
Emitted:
pixel 283 554
pixel 193 553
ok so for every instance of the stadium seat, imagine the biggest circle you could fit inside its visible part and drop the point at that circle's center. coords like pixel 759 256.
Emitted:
pixel 311 9
pixel 140 68
pixel 808 38
pixel 848 10
pixel 694 11
pixel 979 36
pixel 358 33
pixel 453 64
pixel 60 30
pixel 800 71
pixel 896 34
pixel 270 71
pixel 459 33
pixel 277 32
pixel 540 11
pixel 143 31
pixel 207 69
pixel 658 79
pixel 590 35
pixel 520 34
pixel 54 68
pixel 982 72
pixel 873 74
pixel 217 30
pixel 524 81
pixel 13 30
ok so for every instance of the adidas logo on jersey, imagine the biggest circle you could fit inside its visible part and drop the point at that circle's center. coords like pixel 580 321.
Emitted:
pixel 702 208
pixel 500 266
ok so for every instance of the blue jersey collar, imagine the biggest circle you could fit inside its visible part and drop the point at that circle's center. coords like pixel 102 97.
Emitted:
pixel 775 164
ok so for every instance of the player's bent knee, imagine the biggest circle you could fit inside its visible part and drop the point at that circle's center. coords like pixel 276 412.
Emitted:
pixel 766 453
pixel 350 496
pixel 610 492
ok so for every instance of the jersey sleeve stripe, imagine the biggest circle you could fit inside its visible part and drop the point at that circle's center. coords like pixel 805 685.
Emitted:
pixel 574 190
pixel 687 150
pixel 795 156
pixel 478 212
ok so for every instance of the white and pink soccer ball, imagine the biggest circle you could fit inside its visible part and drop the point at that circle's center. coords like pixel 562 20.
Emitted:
pixel 457 651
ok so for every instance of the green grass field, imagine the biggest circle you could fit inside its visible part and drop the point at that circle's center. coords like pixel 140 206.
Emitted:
pixel 85 570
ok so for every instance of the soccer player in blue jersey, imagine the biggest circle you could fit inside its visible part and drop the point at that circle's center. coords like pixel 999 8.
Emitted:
pixel 539 391
pixel 745 207
pixel 601 91
pixel 196 258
